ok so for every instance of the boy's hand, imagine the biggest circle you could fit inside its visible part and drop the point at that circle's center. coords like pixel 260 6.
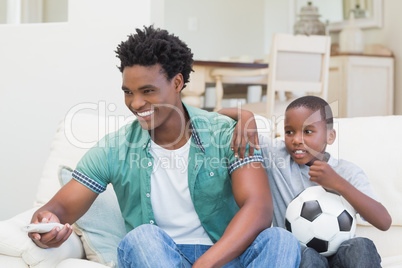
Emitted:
pixel 323 174
pixel 56 237
pixel 245 132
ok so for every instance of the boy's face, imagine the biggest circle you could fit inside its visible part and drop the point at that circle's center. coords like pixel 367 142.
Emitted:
pixel 306 135
pixel 150 96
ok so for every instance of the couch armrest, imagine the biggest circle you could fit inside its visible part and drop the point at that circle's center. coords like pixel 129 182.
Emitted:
pixel 16 243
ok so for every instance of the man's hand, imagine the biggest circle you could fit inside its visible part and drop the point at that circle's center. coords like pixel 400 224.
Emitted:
pixel 56 237
pixel 245 132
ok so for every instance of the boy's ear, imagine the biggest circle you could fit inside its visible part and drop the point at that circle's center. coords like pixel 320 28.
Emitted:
pixel 331 136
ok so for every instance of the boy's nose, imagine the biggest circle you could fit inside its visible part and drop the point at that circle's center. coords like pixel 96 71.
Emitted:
pixel 298 138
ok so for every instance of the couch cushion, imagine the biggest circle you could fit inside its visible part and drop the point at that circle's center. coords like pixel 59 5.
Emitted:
pixel 75 135
pixel 15 242
pixel 102 227
pixel 77 263
pixel 14 262
pixel 373 144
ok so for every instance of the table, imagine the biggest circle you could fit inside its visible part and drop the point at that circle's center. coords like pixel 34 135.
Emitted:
pixel 193 91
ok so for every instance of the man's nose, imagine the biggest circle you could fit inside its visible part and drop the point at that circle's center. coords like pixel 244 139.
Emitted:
pixel 137 102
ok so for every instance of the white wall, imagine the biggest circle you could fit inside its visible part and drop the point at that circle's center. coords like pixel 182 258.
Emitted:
pixel 224 28
pixel 45 70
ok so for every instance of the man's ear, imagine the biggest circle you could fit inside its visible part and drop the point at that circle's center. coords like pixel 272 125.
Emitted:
pixel 178 82
pixel 331 136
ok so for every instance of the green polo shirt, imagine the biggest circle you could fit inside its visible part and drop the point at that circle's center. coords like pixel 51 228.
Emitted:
pixel 123 159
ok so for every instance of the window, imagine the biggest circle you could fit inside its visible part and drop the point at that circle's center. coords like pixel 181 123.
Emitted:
pixel 33 11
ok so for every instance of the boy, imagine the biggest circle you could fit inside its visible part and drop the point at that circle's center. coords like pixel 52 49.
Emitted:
pixel 186 200
pixel 300 161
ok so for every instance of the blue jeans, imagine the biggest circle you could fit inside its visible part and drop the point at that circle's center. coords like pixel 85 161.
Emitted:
pixel 150 246
pixel 358 252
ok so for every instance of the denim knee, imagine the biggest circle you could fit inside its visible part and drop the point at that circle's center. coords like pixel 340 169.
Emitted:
pixel 141 245
pixel 273 247
pixel 140 235
pixel 310 258
pixel 282 236
pixel 357 252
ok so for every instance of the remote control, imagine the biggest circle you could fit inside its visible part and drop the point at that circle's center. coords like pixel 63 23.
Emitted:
pixel 41 227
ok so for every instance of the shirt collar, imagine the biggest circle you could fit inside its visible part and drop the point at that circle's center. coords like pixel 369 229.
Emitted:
pixel 146 141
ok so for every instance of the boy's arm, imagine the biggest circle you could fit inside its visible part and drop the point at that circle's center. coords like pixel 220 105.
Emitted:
pixel 252 194
pixel 368 208
pixel 244 132
pixel 67 206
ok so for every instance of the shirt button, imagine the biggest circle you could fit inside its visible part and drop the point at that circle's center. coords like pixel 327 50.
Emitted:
pixel 211 174
pixel 148 195
pixel 143 146
pixel 151 222
pixel 149 164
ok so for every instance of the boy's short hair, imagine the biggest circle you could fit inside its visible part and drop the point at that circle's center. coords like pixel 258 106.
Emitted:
pixel 155 46
pixel 314 104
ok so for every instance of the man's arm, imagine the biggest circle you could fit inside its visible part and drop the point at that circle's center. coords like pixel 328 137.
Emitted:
pixel 67 206
pixel 244 133
pixel 252 194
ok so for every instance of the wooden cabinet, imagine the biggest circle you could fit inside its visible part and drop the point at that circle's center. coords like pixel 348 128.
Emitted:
pixel 361 85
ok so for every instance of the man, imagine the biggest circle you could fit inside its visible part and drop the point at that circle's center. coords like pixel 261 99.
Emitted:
pixel 186 200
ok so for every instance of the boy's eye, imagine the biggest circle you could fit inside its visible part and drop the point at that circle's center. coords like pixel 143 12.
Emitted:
pixel 288 132
pixel 308 131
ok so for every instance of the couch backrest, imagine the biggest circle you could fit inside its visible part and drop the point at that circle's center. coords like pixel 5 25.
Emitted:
pixel 373 143
pixel 75 135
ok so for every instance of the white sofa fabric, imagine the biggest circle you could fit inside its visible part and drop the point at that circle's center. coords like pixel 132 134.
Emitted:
pixel 370 142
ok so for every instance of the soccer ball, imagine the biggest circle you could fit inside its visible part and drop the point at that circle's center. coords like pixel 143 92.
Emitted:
pixel 321 219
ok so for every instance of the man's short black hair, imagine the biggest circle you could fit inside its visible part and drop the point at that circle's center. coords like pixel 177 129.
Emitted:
pixel 314 104
pixel 155 46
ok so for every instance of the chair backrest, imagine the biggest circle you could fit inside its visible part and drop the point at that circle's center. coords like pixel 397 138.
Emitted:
pixel 298 63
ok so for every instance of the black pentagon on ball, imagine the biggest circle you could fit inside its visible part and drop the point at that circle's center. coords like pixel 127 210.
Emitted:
pixel 288 225
pixel 310 210
pixel 345 221
pixel 318 244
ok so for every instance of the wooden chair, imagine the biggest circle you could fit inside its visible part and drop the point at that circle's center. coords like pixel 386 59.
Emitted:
pixel 298 65
pixel 221 76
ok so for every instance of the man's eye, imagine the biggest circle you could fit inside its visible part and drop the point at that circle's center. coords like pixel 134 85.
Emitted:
pixel 127 92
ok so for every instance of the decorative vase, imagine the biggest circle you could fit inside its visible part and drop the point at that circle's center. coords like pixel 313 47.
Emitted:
pixel 309 24
pixel 351 38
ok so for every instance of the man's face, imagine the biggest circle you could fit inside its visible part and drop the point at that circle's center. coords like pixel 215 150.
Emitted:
pixel 150 96
pixel 306 135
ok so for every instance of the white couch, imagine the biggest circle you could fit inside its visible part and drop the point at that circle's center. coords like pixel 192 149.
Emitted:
pixel 373 143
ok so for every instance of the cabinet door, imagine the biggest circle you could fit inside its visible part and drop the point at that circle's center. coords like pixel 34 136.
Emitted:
pixel 364 85
pixel 370 90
